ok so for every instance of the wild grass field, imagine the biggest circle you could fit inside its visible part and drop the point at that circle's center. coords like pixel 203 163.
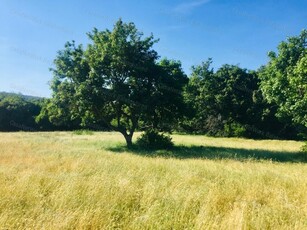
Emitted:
pixel 62 180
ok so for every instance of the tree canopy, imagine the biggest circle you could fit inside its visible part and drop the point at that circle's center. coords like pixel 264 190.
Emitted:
pixel 18 112
pixel 116 81
pixel 228 102
pixel 284 79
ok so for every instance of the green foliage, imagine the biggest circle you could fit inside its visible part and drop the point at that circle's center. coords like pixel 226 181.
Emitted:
pixel 52 117
pixel 234 129
pixel 219 96
pixel 284 79
pixel 115 81
pixel 226 101
pixel 304 148
pixel 17 112
pixel 165 105
pixel 153 140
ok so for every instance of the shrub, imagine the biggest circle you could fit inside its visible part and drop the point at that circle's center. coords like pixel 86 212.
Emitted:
pixel 234 129
pixel 304 148
pixel 152 139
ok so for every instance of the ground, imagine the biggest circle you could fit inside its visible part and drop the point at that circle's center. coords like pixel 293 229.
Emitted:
pixel 61 180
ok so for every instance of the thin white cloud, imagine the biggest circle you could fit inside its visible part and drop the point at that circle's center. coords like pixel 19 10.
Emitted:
pixel 188 7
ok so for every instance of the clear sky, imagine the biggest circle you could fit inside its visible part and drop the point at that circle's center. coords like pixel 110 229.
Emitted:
pixel 230 31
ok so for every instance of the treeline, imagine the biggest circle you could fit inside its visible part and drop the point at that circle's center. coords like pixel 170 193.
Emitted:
pixel 229 102
pixel 119 83
pixel 226 103
pixel 20 112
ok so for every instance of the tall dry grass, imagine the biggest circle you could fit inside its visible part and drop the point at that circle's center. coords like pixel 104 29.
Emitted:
pixel 64 181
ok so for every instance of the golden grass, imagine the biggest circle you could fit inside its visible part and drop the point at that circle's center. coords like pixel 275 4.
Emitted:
pixel 64 181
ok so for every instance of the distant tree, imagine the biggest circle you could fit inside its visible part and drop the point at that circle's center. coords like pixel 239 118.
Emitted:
pixel 117 80
pixel 284 79
pixel 165 104
pixel 48 121
pixel 228 102
pixel 220 98
pixel 17 113
pixel 199 97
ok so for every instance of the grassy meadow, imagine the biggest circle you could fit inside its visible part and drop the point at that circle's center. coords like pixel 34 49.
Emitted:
pixel 61 180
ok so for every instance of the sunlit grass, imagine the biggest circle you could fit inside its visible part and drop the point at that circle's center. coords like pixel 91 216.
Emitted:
pixel 65 181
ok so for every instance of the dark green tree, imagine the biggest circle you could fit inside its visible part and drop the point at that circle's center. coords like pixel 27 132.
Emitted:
pixel 221 98
pixel 165 101
pixel 228 102
pixel 116 80
pixel 18 113
pixel 284 79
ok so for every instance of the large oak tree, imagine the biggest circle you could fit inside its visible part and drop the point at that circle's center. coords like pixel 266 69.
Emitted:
pixel 117 80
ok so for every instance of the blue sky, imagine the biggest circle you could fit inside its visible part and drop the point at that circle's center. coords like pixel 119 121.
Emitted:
pixel 233 32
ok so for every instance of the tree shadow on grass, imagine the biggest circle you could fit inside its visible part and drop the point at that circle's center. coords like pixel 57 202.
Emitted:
pixel 210 152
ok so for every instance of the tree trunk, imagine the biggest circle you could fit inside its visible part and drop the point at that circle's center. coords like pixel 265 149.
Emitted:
pixel 128 139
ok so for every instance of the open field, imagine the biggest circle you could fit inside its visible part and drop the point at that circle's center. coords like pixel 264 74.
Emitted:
pixel 65 181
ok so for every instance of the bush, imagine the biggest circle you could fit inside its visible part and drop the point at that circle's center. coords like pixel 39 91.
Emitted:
pixel 234 129
pixel 152 139
pixel 304 148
